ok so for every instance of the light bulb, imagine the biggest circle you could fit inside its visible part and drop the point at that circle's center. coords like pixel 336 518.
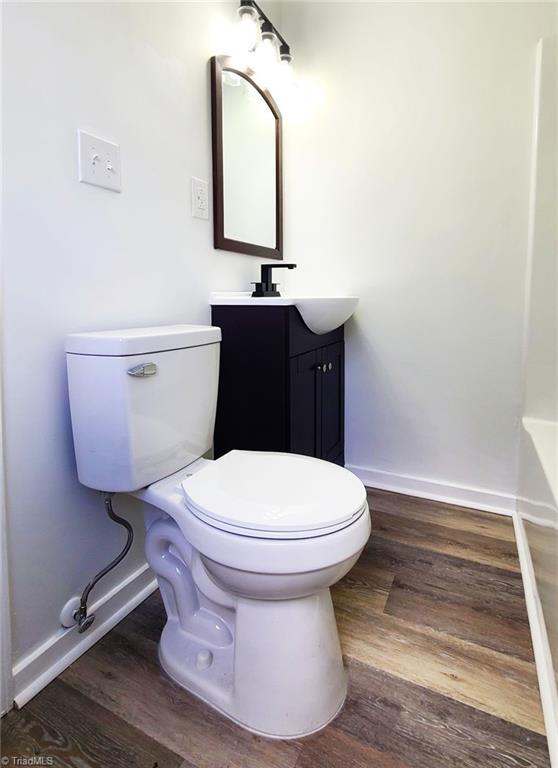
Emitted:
pixel 247 29
pixel 266 58
pixel 282 84
pixel 285 74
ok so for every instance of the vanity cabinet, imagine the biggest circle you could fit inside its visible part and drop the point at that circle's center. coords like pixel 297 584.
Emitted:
pixel 281 387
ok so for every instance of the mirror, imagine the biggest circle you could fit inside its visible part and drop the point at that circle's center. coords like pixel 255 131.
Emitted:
pixel 247 183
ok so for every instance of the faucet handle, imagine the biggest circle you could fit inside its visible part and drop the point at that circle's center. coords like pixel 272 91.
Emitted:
pixel 262 290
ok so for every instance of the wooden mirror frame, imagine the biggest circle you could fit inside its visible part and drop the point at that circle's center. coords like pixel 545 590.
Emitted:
pixel 219 64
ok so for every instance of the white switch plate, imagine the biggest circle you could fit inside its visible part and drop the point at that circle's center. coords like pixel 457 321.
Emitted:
pixel 99 162
pixel 200 198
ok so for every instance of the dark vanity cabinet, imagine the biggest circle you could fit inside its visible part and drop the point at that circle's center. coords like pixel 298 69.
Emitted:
pixel 281 387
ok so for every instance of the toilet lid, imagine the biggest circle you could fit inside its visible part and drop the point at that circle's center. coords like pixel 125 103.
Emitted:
pixel 274 495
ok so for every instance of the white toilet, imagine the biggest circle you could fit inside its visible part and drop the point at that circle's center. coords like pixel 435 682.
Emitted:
pixel 245 548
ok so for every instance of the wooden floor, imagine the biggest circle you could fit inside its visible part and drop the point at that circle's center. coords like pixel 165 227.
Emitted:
pixel 441 674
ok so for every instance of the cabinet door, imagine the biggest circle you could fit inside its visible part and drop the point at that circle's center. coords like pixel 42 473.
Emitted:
pixel 332 361
pixel 305 404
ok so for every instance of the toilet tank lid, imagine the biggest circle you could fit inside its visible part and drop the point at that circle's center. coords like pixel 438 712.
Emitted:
pixel 138 341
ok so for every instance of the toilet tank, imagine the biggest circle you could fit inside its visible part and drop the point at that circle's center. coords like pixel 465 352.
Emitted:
pixel 142 402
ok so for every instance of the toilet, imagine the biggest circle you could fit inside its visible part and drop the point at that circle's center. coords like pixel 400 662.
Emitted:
pixel 244 547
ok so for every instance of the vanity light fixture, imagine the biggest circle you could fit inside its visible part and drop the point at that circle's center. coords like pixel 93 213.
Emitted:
pixel 252 17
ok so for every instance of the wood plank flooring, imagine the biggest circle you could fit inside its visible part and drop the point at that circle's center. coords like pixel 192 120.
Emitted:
pixel 435 635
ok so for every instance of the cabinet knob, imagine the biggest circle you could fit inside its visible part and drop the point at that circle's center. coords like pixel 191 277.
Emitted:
pixel 319 368
pixel 330 366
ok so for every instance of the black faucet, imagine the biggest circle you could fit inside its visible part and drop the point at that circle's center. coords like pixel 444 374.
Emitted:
pixel 265 287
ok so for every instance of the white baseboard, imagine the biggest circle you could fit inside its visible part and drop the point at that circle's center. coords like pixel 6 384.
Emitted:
pixel 39 668
pixel 450 493
pixel 541 646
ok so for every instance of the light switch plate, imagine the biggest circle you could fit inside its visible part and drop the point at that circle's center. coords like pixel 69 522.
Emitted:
pixel 200 198
pixel 99 162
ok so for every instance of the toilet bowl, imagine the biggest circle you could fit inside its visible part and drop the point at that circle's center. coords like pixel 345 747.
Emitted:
pixel 251 627
pixel 245 547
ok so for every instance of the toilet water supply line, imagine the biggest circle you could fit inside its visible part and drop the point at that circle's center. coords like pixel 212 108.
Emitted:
pixel 84 621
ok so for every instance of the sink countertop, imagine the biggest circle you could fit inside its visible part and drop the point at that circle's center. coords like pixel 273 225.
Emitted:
pixel 321 314
pixel 245 297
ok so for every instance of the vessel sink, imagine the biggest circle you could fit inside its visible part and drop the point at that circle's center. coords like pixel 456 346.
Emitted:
pixel 321 314
pixel 324 314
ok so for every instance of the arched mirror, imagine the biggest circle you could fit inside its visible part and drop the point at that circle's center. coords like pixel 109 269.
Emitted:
pixel 247 168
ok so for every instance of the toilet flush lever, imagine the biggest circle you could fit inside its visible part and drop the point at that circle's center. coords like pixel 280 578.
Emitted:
pixel 144 369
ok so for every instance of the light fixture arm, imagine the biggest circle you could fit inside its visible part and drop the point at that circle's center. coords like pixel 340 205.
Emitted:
pixel 284 49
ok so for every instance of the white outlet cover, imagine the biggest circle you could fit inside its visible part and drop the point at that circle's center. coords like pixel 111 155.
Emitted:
pixel 99 162
pixel 200 198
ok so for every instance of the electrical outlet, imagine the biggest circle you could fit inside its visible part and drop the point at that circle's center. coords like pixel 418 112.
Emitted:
pixel 99 162
pixel 200 199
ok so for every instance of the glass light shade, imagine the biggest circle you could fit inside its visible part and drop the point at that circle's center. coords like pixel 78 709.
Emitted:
pixel 247 29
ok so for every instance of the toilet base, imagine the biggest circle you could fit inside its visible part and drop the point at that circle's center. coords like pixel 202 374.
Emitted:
pixel 272 665
pixel 233 719
pixel 281 677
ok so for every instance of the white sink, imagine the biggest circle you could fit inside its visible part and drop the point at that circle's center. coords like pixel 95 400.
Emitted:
pixel 324 314
pixel 321 314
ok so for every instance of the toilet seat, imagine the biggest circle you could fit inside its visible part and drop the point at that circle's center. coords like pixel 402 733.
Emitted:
pixel 274 495
pixel 240 548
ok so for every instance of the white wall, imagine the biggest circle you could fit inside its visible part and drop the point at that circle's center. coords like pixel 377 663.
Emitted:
pixel 6 682
pixel 6 693
pixel 539 484
pixel 80 258
pixel 541 352
pixel 537 519
pixel 409 188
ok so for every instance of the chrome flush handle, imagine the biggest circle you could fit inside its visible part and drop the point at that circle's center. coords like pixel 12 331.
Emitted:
pixel 144 369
